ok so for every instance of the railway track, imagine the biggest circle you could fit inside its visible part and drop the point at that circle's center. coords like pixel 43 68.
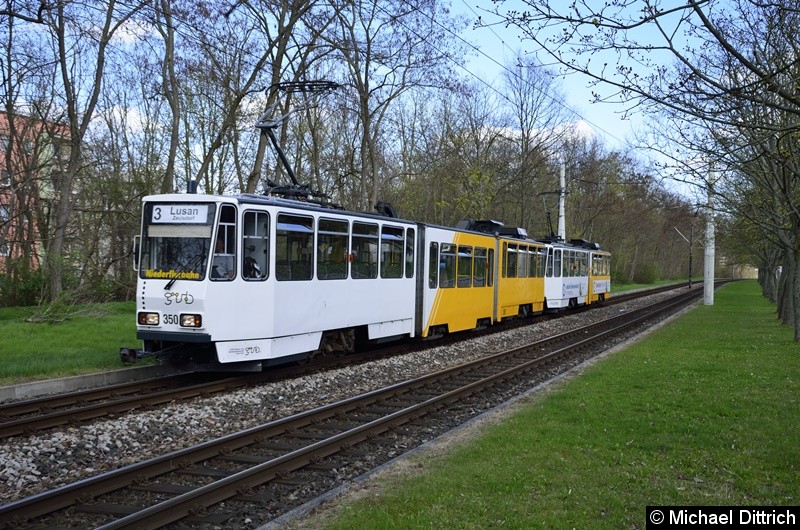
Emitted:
pixel 272 468
pixel 30 416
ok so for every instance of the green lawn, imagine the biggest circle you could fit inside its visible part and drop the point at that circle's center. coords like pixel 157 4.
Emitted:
pixel 88 340
pixel 617 287
pixel 703 412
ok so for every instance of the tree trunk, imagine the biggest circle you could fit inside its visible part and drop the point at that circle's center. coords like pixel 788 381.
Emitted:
pixel 792 315
pixel 171 94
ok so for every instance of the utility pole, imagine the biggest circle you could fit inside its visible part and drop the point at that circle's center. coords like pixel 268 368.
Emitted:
pixel 710 249
pixel 562 201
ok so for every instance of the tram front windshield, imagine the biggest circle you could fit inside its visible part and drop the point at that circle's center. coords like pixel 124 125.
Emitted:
pixel 176 240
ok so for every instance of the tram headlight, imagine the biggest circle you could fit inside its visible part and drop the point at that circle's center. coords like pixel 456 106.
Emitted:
pixel 148 319
pixel 189 320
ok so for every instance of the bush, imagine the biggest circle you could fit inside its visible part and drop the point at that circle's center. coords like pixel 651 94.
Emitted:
pixel 21 284
pixel 647 273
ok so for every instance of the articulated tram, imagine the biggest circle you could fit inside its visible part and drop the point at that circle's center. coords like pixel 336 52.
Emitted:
pixel 243 282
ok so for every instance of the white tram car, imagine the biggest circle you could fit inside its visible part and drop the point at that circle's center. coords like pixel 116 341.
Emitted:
pixel 577 274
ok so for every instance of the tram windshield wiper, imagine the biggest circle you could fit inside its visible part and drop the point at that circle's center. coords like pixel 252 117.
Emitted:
pixel 196 262
pixel 170 283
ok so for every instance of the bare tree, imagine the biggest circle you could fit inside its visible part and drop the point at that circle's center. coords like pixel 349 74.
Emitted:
pixel 286 33
pixel 81 44
pixel 389 48
pixel 539 119
pixel 166 23
pixel 722 68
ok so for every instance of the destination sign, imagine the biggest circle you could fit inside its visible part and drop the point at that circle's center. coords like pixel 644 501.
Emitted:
pixel 180 213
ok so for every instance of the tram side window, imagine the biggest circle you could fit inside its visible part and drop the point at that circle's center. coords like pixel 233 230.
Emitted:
pixel 557 263
pixel 522 263
pixel 332 251
pixel 294 243
pixel 392 252
pixel 600 265
pixel 584 263
pixel 433 265
pixel 464 266
pixel 255 246
pixel 447 266
pixel 542 262
pixel 490 268
pixel 511 261
pixel 365 251
pixel 532 262
pixel 223 264
pixel 479 275
pixel 410 253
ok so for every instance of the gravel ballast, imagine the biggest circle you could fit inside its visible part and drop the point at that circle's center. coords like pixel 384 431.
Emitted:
pixel 31 464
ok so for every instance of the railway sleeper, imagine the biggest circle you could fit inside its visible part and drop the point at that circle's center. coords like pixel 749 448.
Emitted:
pixel 323 466
pixel 204 472
pixel 291 479
pixel 279 446
pixel 118 510
pixel 160 487
pixel 245 459
pixel 257 498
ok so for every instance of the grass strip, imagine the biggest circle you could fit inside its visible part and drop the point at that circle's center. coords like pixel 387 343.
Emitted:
pixel 702 412
pixel 86 340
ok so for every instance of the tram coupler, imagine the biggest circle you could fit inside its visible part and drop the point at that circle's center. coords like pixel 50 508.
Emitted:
pixel 132 355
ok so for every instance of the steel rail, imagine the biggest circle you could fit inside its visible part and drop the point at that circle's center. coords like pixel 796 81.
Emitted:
pixel 180 506
pixel 183 505
pixel 99 402
pixel 29 406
